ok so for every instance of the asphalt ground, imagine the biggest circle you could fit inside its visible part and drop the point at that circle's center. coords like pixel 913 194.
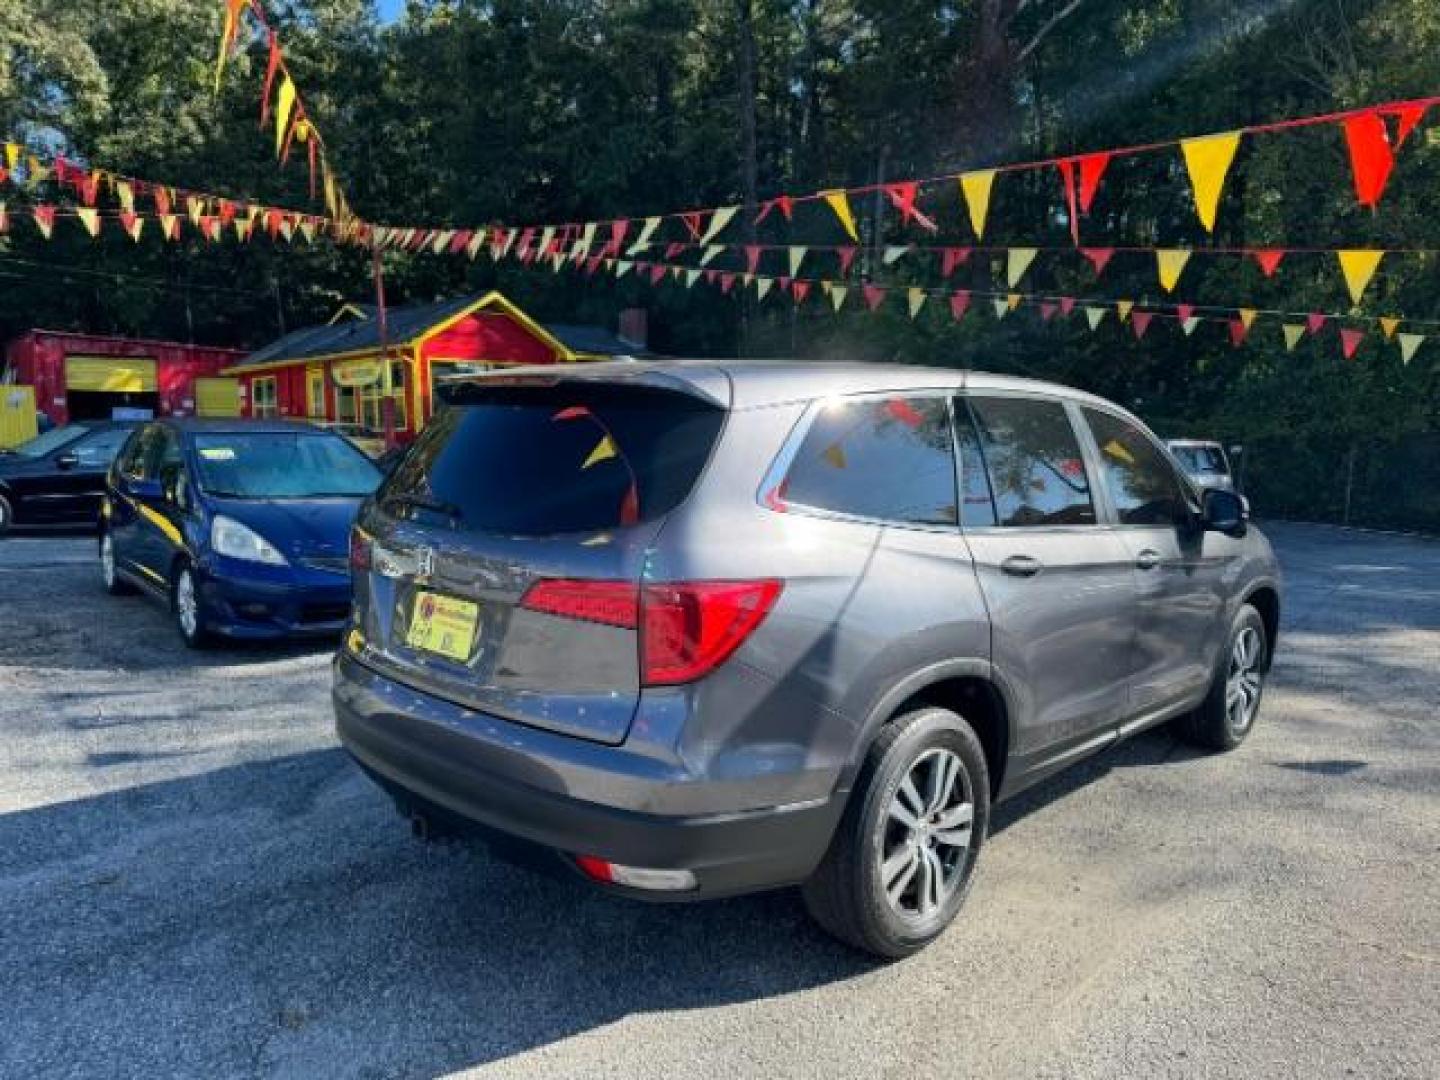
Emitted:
pixel 195 882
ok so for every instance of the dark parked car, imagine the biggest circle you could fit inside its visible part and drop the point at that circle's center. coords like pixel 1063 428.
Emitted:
pixel 241 527
pixel 58 478
pixel 705 628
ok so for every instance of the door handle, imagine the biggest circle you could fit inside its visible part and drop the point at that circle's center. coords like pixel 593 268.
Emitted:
pixel 1148 559
pixel 1022 566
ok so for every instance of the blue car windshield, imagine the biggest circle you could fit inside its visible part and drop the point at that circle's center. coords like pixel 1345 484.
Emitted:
pixel 282 465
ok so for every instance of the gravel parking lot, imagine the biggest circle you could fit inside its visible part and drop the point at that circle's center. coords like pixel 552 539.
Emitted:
pixel 194 881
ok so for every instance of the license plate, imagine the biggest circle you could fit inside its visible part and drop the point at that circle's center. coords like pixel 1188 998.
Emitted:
pixel 443 625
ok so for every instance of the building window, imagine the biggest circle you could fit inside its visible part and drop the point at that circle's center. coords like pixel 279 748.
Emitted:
pixel 263 398
pixel 371 397
pixel 345 404
pixel 315 393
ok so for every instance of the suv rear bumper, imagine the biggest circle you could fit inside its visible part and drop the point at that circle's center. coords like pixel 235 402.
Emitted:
pixel 502 777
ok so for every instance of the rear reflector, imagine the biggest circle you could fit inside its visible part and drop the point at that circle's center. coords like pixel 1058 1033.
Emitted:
pixel 687 628
pixel 635 877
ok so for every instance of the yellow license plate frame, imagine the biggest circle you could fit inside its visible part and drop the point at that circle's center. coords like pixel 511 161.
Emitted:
pixel 443 625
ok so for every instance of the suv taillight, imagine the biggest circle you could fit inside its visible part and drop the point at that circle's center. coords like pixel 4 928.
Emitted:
pixel 360 550
pixel 687 628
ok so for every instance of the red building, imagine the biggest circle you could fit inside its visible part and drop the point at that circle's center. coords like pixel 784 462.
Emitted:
pixel 87 377
pixel 334 372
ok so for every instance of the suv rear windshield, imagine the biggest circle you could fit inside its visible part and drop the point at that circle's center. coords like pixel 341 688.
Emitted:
pixel 554 459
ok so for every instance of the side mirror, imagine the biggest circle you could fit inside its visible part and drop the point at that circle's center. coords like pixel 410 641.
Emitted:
pixel 67 460
pixel 1225 512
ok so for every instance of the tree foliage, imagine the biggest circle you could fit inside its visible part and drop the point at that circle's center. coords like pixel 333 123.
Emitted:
pixel 472 111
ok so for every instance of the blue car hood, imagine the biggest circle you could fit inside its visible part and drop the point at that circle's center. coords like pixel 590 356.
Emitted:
pixel 298 527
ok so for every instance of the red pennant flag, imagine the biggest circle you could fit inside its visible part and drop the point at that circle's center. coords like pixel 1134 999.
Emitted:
pixel 1350 341
pixel 128 220
pixel 592 264
pixel 1048 308
pixel 1183 312
pixel 162 199
pixel 906 413
pixel 727 282
pixel 618 229
pixel 1409 116
pixel 656 273
pixel 1371 158
pixel 903 196
pixel 1269 260
pixel 784 283
pixel 272 222
pixel 711 274
pixel 953 257
pixel 462 238
pixel 272 65
pixel 801 290
pixel 1067 305
pixel 692 220
pixel 1140 322
pixel 672 251
pixel 874 296
pixel 959 304
pixel 44 215
pixel 752 257
pixel 227 211
pixel 846 255
pixel 784 202
pixel 1238 332
pixel 1315 322
pixel 89 187
pixel 1099 258
pixel 1092 168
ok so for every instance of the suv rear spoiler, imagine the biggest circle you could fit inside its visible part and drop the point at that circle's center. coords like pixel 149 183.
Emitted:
pixel 705 382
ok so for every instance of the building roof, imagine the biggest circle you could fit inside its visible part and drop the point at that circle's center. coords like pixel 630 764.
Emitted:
pixel 356 330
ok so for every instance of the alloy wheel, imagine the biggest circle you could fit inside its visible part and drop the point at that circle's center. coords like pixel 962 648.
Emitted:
pixel 186 608
pixel 927 835
pixel 1242 684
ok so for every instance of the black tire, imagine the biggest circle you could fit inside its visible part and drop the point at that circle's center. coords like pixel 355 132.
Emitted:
pixel 1215 724
pixel 7 516
pixel 114 584
pixel 193 634
pixel 846 895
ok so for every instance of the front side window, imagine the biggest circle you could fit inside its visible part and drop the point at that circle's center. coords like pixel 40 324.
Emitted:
pixel 891 459
pixel 1141 483
pixel 281 465
pixel 99 450
pixel 1034 463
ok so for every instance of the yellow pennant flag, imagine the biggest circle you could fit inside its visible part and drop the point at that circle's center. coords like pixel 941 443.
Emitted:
pixel 1389 326
pixel 442 240
pixel 1247 316
pixel 126 194
pixel 36 174
pixel 1208 161
pixel 284 102
pixel 837 295
pixel 622 267
pixel 1012 301
pixel 287 230
pixel 893 254
pixel 307 230
pixel 170 226
pixel 976 188
pixel 243 227
pixel 1118 450
pixel 1189 324
pixel 691 276
pixel 4 219
pixel 1123 309
pixel 1001 306
pixel 1408 344
pixel 718 220
pixel 1093 315
pixel 708 255
pixel 917 298
pixel 797 256
pixel 196 207
pixel 547 234
pixel 12 155
pixel 835 455
pixel 477 241
pixel 646 232
pixel 1359 267
pixel 604 451
pixel 840 203
pixel 1017 261
pixel 762 286
pixel 90 218
pixel 1293 333
pixel 1171 261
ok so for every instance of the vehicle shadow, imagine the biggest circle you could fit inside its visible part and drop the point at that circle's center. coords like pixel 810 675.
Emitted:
pixel 277 917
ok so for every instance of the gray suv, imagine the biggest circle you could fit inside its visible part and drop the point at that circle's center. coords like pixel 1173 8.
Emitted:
pixel 697 629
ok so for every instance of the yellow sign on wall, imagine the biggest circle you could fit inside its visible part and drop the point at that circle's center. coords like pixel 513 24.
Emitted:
pixel 110 374
pixel 17 415
pixel 356 372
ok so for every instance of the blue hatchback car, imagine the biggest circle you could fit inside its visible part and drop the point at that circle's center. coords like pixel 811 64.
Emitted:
pixel 240 526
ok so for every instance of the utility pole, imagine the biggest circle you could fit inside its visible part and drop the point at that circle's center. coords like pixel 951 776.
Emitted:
pixel 387 389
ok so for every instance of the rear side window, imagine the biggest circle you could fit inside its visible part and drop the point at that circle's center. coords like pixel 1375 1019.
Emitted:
pixel 886 458
pixel 567 458
pixel 1033 459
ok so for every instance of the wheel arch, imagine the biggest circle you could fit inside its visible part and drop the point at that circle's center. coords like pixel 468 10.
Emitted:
pixel 1265 598
pixel 969 688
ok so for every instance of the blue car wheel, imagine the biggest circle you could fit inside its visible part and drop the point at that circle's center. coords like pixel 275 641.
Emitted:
pixel 189 608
